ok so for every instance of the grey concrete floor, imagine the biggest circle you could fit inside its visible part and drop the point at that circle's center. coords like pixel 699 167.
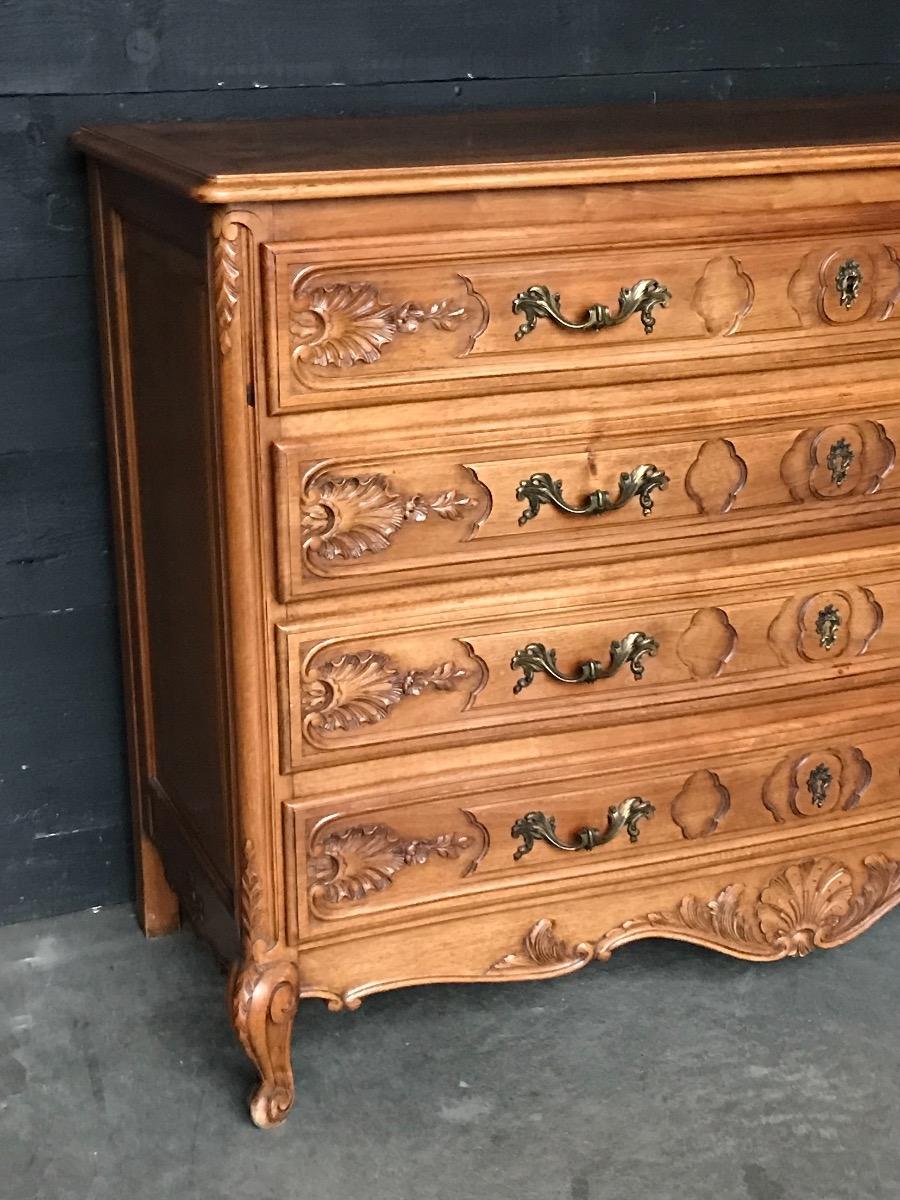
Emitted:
pixel 669 1074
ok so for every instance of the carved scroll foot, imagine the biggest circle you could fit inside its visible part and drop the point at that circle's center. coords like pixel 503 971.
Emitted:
pixel 264 1000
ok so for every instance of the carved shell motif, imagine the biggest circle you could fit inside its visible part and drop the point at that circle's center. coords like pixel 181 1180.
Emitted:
pixel 800 906
pixel 350 865
pixel 344 324
pixel 807 905
pixel 345 518
pixel 362 689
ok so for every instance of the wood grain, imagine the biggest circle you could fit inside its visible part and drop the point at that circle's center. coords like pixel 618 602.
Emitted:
pixel 325 437
pixel 241 162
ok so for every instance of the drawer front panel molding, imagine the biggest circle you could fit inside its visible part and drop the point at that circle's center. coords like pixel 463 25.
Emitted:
pixel 374 859
pixel 357 518
pixel 349 326
pixel 356 695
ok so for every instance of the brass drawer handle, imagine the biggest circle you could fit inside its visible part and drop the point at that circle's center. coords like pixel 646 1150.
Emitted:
pixel 542 488
pixel 537 827
pixel 538 301
pixel 535 657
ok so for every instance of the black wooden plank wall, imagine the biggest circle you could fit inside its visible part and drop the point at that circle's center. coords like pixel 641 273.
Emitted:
pixel 63 809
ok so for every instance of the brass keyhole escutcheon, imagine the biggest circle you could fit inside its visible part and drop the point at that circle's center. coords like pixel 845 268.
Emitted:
pixel 839 460
pixel 828 622
pixel 848 281
pixel 818 783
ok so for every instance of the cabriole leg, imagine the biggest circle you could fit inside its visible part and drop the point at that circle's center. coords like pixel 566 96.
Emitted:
pixel 264 998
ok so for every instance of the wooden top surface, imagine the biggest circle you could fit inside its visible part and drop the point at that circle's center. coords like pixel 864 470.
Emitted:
pixel 231 161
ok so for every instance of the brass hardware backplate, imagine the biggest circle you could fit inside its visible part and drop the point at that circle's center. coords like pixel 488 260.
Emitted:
pixel 642 297
pixel 542 488
pixel 535 658
pixel 828 622
pixel 818 783
pixel 537 826
pixel 848 281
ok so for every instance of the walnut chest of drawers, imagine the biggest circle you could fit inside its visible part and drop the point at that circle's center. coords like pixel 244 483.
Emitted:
pixel 507 538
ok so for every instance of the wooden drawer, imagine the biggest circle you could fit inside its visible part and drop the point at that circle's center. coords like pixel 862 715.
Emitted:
pixel 359 860
pixel 368 519
pixel 358 321
pixel 477 678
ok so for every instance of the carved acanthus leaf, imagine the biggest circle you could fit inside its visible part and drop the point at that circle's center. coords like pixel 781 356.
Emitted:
pixel 344 324
pixel 226 280
pixel 352 864
pixel 879 892
pixel 347 517
pixel 544 950
pixel 253 904
pixel 807 905
pixel 362 689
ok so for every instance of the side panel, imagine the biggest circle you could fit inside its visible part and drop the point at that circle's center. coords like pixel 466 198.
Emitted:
pixel 168 335
pixel 166 484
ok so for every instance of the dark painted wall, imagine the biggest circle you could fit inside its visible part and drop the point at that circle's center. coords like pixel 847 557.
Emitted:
pixel 63 808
